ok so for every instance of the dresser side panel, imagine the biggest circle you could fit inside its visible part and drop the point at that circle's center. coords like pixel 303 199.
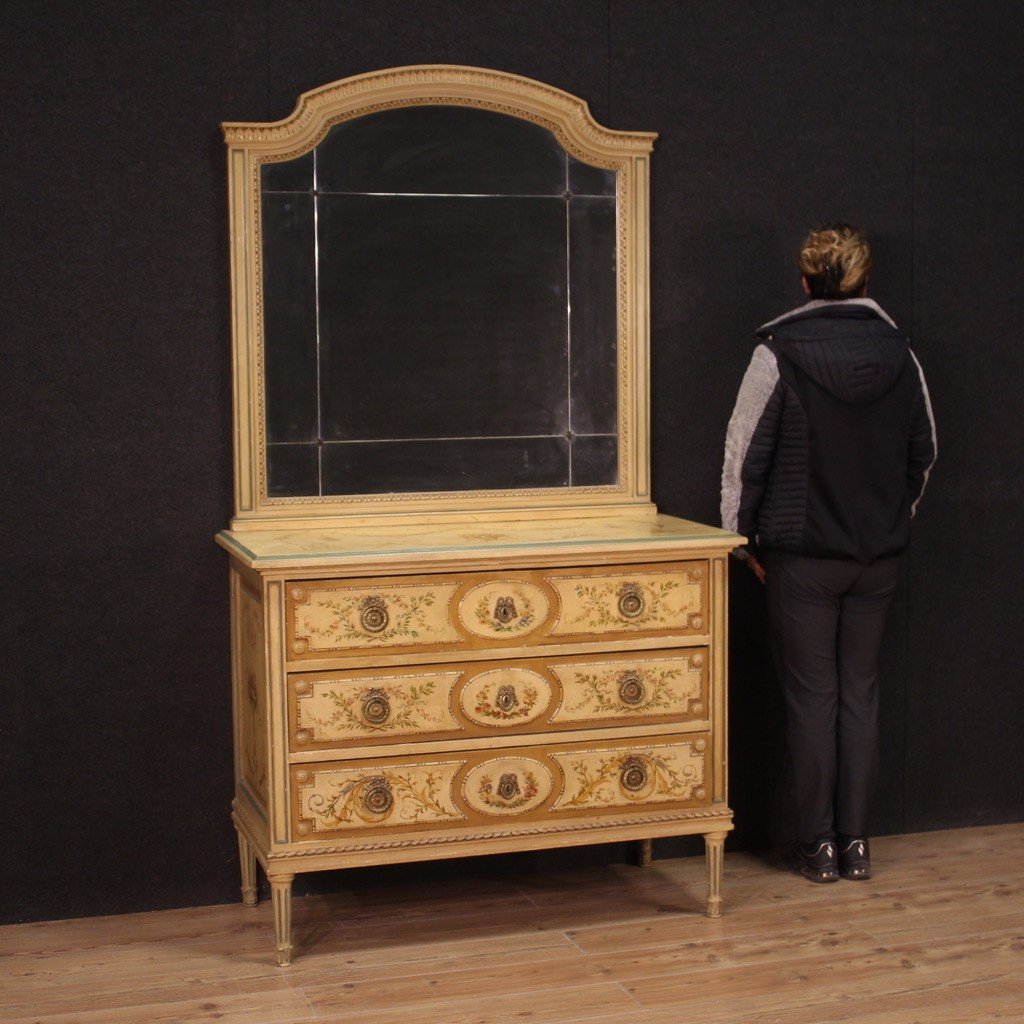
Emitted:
pixel 251 696
pixel 278 711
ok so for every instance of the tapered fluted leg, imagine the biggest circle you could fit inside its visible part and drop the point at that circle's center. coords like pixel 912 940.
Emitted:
pixel 247 857
pixel 281 894
pixel 713 849
pixel 644 853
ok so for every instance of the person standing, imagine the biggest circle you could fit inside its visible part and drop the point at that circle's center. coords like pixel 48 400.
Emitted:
pixel 827 454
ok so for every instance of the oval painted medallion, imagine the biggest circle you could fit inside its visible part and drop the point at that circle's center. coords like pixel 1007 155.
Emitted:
pixel 505 697
pixel 507 785
pixel 503 609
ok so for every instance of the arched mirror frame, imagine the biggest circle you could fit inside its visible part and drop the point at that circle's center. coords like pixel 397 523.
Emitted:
pixel 568 118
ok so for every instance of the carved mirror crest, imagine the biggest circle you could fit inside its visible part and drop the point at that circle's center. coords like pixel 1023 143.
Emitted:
pixel 439 282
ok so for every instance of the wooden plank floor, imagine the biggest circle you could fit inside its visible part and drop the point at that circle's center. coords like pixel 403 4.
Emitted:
pixel 936 936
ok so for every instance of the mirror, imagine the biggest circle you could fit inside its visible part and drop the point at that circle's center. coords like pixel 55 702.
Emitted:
pixel 439 309
pixel 439 300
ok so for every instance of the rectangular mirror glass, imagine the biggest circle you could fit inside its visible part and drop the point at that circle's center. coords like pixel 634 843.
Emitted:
pixel 439 309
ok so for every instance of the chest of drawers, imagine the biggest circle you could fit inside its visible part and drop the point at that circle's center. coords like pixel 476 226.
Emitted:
pixel 408 694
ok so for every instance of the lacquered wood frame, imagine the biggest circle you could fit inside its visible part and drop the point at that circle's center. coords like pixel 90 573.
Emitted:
pixel 568 118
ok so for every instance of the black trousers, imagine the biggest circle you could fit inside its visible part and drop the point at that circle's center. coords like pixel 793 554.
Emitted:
pixel 827 618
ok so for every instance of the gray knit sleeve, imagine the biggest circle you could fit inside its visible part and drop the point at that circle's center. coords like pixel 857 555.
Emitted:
pixel 750 442
pixel 924 447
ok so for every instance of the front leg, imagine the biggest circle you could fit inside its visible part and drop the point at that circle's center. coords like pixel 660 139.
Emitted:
pixel 714 843
pixel 281 895
pixel 247 857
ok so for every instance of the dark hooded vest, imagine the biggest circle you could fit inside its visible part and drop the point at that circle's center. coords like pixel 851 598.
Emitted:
pixel 838 483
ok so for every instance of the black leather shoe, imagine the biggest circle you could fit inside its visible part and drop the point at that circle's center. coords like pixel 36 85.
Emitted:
pixel 854 858
pixel 816 861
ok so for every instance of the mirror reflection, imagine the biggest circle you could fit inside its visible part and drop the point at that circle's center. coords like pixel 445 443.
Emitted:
pixel 439 297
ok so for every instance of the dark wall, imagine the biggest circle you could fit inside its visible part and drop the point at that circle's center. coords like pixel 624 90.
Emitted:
pixel 115 424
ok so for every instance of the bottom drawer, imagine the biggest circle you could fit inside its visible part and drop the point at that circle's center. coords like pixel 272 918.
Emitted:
pixel 473 788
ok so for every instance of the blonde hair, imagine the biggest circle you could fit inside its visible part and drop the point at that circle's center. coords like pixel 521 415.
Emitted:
pixel 836 261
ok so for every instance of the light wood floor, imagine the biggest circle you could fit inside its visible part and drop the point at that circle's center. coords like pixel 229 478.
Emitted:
pixel 936 936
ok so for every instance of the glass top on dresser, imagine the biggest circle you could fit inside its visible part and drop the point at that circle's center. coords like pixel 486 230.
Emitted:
pixel 270 547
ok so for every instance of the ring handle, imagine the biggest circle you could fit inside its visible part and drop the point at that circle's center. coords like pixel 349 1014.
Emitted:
pixel 631 688
pixel 377 798
pixel 373 614
pixel 376 706
pixel 633 775
pixel 631 600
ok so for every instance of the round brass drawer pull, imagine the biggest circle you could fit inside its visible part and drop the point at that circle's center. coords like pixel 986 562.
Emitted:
pixel 633 775
pixel 373 614
pixel 376 707
pixel 505 610
pixel 631 688
pixel 631 600
pixel 377 798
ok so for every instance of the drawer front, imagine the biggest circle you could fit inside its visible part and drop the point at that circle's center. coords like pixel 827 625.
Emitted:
pixel 327 618
pixel 470 789
pixel 365 615
pixel 627 776
pixel 639 601
pixel 372 706
pixel 336 798
pixel 329 710
pixel 663 684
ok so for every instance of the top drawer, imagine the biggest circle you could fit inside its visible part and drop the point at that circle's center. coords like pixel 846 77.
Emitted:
pixel 462 611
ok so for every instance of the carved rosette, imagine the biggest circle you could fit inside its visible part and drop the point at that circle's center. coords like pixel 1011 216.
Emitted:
pixel 503 609
pixel 505 697
pixel 507 786
pixel 641 601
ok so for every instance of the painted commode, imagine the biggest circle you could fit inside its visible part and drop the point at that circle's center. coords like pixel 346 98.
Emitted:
pixel 422 674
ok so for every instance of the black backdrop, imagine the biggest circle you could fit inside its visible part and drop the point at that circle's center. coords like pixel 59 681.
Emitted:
pixel 115 431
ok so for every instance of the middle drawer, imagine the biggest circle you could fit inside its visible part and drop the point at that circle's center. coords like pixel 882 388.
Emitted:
pixel 370 707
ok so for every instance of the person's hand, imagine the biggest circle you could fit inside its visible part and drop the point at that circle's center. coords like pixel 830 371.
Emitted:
pixel 757 568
